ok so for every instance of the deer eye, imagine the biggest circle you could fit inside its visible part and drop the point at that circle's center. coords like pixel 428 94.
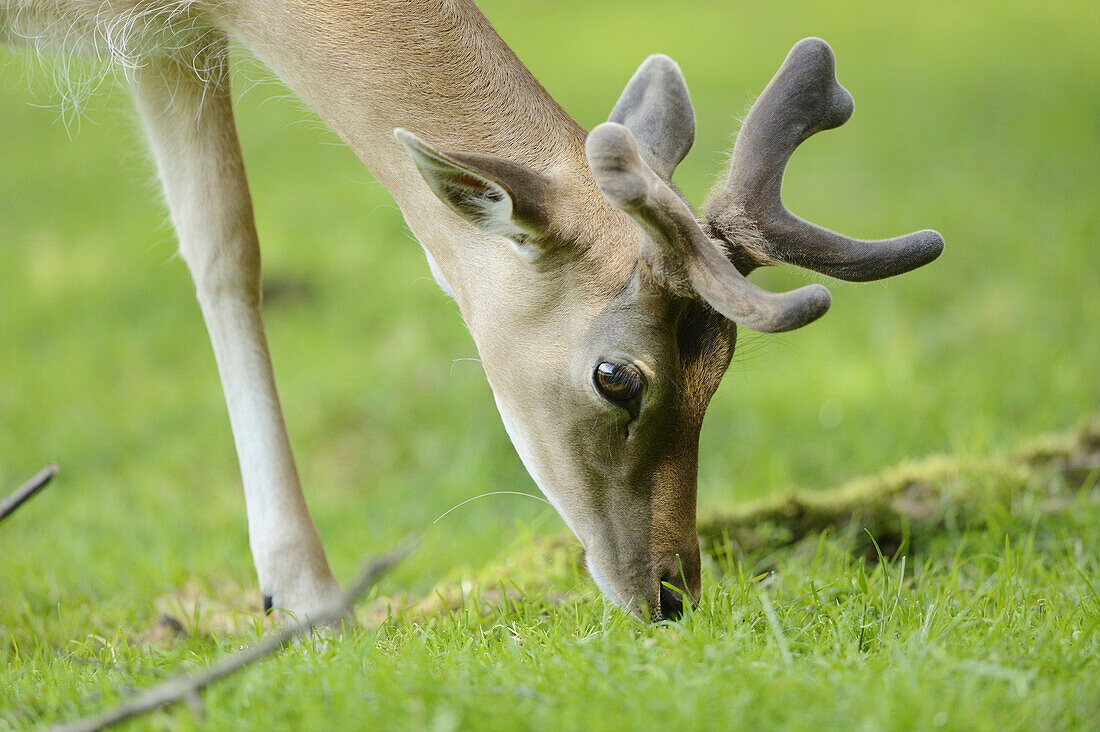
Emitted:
pixel 619 382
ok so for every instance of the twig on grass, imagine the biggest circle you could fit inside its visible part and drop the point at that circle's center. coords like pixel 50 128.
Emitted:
pixel 28 489
pixel 186 687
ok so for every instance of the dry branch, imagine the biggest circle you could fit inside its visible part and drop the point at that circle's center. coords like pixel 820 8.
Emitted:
pixel 186 687
pixel 28 489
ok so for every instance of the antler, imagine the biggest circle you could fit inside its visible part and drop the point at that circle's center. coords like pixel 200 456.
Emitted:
pixel 677 249
pixel 803 98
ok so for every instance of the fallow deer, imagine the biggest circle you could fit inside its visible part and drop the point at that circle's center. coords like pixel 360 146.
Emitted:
pixel 604 309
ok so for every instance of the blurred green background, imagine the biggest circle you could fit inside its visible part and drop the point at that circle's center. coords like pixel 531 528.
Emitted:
pixel 979 119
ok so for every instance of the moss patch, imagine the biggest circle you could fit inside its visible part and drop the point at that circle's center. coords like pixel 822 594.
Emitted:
pixel 904 505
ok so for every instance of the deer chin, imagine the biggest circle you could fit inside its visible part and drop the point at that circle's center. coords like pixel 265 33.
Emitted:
pixel 605 587
pixel 609 570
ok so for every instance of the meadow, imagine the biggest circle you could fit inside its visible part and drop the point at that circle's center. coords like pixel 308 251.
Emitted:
pixel 978 119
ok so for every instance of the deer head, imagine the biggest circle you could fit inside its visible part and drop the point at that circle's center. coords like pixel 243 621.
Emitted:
pixel 607 328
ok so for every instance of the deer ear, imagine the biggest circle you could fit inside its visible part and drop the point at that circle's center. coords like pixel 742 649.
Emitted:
pixel 656 108
pixel 496 195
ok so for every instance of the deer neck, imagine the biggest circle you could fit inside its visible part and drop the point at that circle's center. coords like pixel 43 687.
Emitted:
pixel 435 67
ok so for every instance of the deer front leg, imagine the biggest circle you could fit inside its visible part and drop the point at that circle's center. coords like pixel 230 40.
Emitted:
pixel 187 110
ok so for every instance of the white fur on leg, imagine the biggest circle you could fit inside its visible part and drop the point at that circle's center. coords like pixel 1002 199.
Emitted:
pixel 189 119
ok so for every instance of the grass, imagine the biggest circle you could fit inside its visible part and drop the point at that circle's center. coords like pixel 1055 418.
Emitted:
pixel 993 623
pixel 977 119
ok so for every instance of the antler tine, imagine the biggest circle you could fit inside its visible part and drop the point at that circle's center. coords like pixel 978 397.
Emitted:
pixel 678 251
pixel 802 99
pixel 656 107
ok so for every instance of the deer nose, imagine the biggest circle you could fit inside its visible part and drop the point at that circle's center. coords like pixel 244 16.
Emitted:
pixel 679 582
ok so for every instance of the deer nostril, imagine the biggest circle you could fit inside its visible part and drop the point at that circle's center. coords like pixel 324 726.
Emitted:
pixel 678 572
pixel 672 601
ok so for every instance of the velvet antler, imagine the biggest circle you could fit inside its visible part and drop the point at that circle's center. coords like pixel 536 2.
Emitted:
pixel 675 246
pixel 803 98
